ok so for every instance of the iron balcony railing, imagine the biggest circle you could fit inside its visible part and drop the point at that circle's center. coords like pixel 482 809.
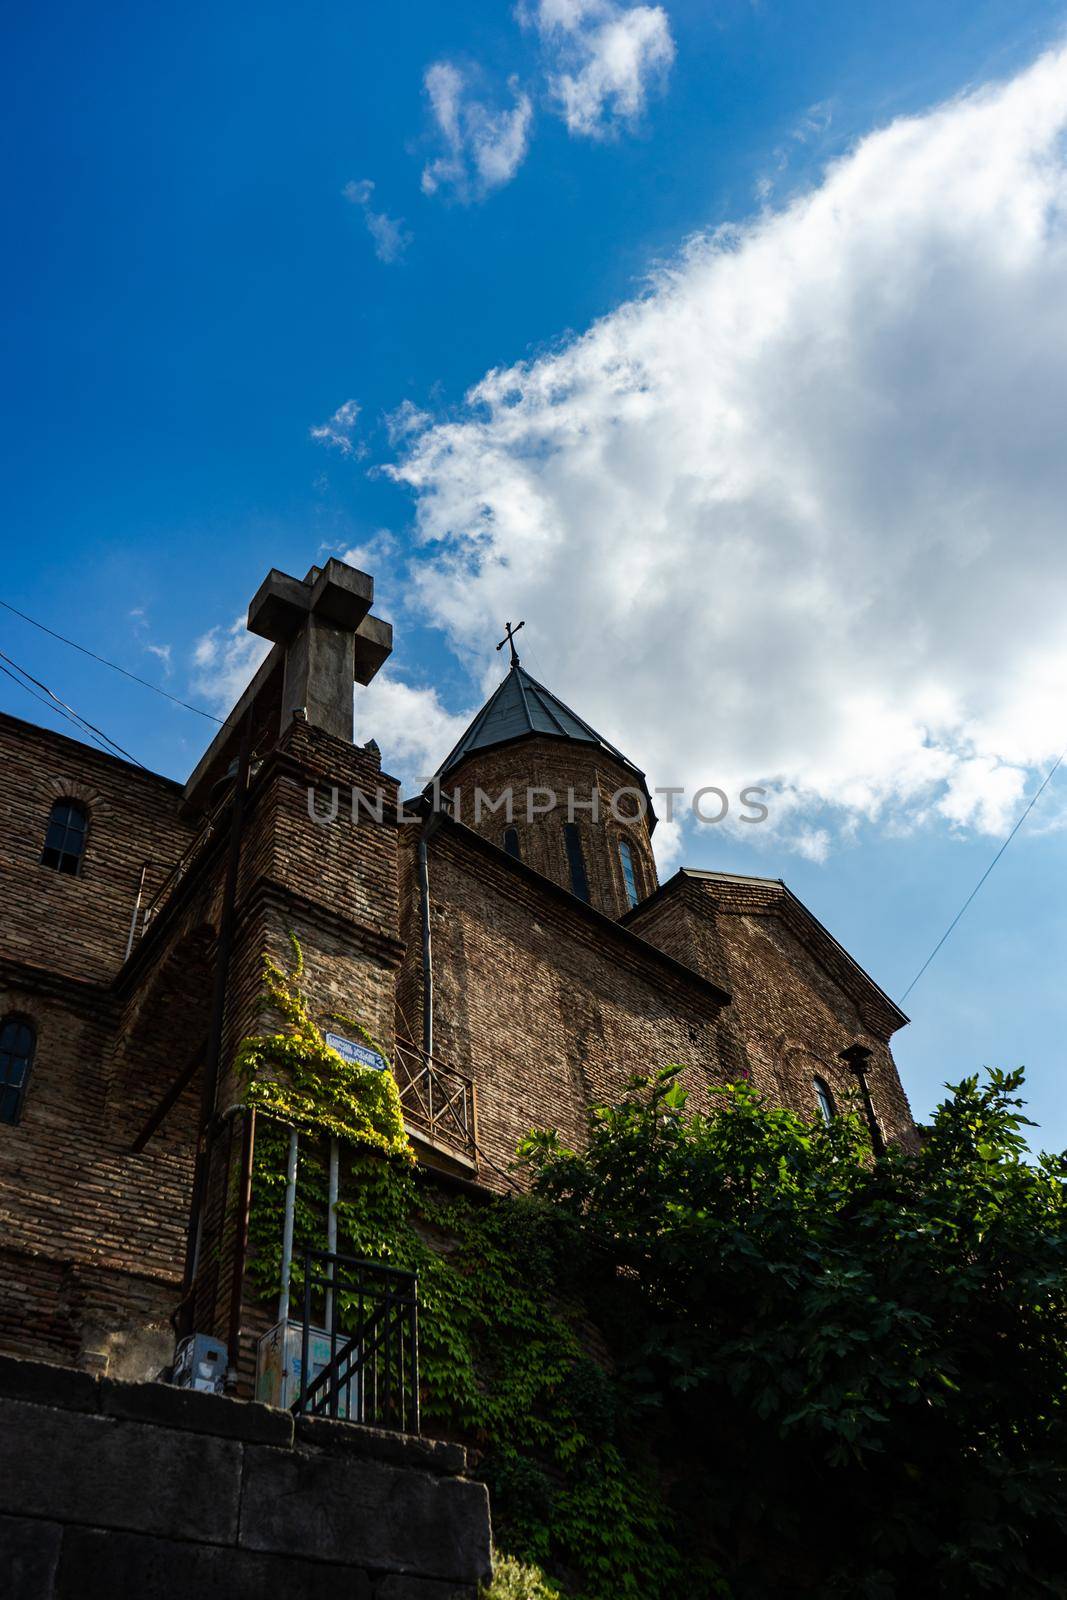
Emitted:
pixel 359 1358
pixel 438 1102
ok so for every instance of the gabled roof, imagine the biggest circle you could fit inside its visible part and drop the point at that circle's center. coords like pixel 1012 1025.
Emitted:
pixel 740 893
pixel 521 707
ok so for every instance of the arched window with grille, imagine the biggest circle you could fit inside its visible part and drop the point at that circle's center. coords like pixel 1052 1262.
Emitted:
pixel 64 840
pixel 629 873
pixel 824 1099
pixel 511 843
pixel 572 840
pixel 18 1041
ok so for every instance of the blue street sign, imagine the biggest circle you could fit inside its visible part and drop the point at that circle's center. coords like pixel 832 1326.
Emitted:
pixel 349 1050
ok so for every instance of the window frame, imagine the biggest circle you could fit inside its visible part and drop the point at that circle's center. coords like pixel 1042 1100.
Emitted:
pixel 824 1099
pixel 576 865
pixel 631 874
pixel 15 1020
pixel 70 807
pixel 509 843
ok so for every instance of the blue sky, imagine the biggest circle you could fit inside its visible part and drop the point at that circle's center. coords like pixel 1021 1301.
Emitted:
pixel 810 536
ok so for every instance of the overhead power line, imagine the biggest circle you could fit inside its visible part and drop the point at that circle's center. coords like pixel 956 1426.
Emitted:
pixel 1048 779
pixel 144 682
pixel 53 702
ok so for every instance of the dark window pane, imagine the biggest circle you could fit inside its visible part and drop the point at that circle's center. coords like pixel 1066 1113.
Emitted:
pixel 629 876
pixel 824 1099
pixel 575 860
pixel 64 839
pixel 16 1057
pixel 511 843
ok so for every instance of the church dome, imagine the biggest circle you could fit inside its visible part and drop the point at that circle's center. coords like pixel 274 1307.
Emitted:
pixel 595 840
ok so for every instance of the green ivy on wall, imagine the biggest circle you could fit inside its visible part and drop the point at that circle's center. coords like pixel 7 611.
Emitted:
pixel 505 1361
pixel 295 1076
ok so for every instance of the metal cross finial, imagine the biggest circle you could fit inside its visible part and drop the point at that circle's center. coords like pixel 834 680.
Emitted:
pixel 510 639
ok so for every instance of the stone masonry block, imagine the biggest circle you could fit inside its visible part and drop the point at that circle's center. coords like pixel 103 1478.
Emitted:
pixel 196 1413
pixel 42 1383
pixel 96 1565
pixel 366 1512
pixel 397 1449
pixel 398 1588
pixel 114 1474
pixel 29 1552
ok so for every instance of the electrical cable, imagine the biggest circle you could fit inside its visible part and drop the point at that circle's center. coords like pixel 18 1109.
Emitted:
pixel 54 709
pixel 1048 779
pixel 90 727
pixel 112 664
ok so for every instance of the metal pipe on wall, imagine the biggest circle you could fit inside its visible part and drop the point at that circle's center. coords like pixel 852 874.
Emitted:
pixel 240 1254
pixel 287 1226
pixel 331 1221
pixel 429 828
pixel 137 906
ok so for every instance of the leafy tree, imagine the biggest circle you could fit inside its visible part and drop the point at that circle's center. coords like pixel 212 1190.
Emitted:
pixel 853 1372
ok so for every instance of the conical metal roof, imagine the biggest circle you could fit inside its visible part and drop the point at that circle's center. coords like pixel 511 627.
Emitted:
pixel 522 707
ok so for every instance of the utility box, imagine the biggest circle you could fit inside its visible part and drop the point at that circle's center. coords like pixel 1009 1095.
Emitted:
pixel 279 1355
pixel 200 1363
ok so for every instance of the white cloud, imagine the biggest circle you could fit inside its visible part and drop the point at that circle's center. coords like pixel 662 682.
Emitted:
pixel 603 60
pixel 810 129
pixel 390 236
pixel 224 662
pixel 337 434
pixel 406 419
pixel 797 513
pixel 411 725
pixel 484 147
pixel 162 653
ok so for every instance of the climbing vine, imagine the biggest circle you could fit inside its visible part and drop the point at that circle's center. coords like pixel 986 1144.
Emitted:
pixel 507 1362
pixel 295 1075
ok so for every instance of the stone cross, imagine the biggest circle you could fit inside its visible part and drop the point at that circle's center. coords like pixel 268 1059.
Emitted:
pixel 329 638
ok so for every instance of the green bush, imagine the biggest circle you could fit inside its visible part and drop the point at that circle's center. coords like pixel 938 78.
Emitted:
pixel 854 1372
pixel 512 1580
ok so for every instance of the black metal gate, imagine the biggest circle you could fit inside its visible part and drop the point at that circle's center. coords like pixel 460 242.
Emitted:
pixel 360 1342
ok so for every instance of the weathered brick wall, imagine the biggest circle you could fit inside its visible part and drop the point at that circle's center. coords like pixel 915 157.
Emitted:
pixel 552 764
pixel 55 922
pixel 797 999
pixel 110 1489
pixel 94 1233
pixel 547 1005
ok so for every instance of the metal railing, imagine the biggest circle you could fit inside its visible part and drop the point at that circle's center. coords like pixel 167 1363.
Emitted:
pixel 359 1358
pixel 437 1101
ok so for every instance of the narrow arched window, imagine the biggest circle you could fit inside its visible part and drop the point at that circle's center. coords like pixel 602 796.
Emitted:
pixel 629 872
pixel 17 1042
pixel 511 843
pixel 824 1099
pixel 572 839
pixel 64 840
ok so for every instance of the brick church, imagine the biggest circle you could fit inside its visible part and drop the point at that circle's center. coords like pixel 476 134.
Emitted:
pixel 513 972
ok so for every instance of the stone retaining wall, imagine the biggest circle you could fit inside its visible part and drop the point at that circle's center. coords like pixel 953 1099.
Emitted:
pixel 112 1489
